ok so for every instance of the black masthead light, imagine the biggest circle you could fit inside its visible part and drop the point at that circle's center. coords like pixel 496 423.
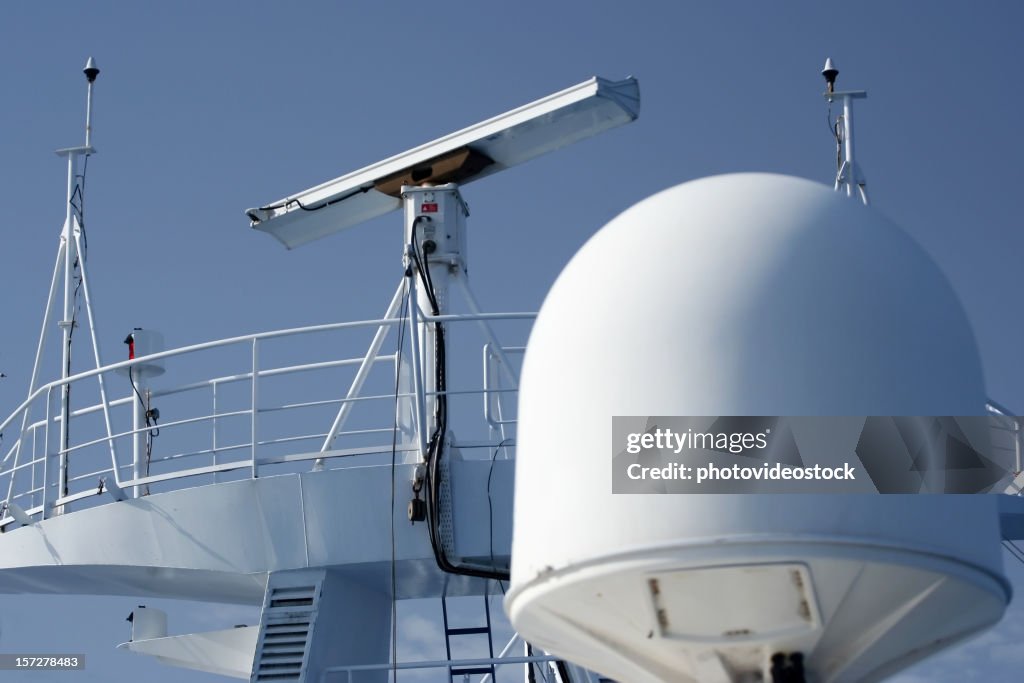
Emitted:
pixel 830 72
pixel 91 71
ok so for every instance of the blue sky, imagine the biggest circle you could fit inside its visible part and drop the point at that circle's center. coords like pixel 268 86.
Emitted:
pixel 204 109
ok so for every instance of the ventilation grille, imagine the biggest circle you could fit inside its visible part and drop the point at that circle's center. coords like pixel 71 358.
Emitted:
pixel 284 637
pixel 446 523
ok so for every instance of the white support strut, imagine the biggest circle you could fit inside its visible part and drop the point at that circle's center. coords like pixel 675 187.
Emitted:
pixel 96 358
pixel 363 372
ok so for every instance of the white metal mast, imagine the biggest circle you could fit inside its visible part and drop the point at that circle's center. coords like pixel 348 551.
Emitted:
pixel 70 267
pixel 849 177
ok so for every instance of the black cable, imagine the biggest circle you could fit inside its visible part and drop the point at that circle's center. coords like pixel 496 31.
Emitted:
pixel 67 370
pixel 839 143
pixel 490 510
pixel 79 192
pixel 76 194
pixel 394 457
pixel 289 202
pixel 142 402
pixel 81 210
pixel 424 268
pixel 832 129
pixel 80 259
pixel 147 414
pixel 435 447
pixel 74 310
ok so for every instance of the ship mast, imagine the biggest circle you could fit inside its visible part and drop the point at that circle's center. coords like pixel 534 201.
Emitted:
pixel 849 176
pixel 70 272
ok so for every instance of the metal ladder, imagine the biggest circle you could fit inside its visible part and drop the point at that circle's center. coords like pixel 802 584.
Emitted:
pixel 464 672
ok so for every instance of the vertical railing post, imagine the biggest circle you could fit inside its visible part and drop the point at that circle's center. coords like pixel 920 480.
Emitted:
pixel 487 388
pixel 140 429
pixel 48 455
pixel 255 403
pixel 33 461
pixel 1016 442
pixel 216 478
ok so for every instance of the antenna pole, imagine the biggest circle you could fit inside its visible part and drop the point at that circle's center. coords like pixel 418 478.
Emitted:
pixel 88 116
pixel 70 258
pixel 67 321
pixel 849 177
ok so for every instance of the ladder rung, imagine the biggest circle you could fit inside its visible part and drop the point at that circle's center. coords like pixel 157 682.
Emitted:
pixel 468 631
pixel 472 670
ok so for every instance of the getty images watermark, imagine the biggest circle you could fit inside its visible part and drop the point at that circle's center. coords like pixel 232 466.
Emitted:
pixel 844 454
pixel 663 439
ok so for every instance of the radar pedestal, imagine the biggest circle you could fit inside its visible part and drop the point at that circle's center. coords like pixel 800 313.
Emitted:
pixel 435 220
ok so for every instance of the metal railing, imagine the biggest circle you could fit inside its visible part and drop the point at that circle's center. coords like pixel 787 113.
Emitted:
pixel 353 670
pixel 253 405
pixel 244 407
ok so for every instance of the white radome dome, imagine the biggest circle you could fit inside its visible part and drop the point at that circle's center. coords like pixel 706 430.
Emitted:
pixel 745 294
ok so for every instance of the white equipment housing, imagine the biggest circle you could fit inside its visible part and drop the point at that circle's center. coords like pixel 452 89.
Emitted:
pixel 441 214
pixel 146 343
pixel 747 294
pixel 148 623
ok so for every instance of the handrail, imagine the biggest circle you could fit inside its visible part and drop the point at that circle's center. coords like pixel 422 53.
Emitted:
pixel 241 423
pixel 350 669
pixel 458 317
pixel 194 348
pixel 281 447
pixel 228 341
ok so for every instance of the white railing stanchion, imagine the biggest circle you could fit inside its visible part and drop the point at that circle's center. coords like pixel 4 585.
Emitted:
pixel 46 456
pixel 140 429
pixel 196 434
pixel 214 430
pixel 255 403
pixel 1016 442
